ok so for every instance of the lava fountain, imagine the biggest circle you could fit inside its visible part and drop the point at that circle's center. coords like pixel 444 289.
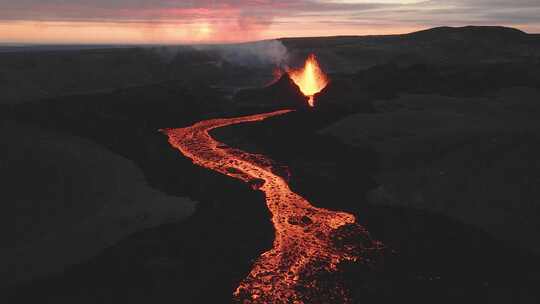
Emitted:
pixel 310 79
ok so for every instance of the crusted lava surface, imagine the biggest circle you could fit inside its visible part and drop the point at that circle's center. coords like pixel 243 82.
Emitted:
pixel 308 242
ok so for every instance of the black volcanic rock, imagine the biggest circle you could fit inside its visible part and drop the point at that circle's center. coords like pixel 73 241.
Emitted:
pixel 390 80
pixel 343 95
pixel 283 93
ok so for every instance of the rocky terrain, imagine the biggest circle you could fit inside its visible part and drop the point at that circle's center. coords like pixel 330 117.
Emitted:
pixel 429 138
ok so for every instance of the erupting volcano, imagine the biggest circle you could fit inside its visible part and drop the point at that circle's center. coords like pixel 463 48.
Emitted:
pixel 310 79
pixel 310 243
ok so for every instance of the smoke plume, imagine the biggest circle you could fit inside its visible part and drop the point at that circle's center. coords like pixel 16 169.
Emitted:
pixel 268 52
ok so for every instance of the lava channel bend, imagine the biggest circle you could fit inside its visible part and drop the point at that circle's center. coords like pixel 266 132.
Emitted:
pixel 308 242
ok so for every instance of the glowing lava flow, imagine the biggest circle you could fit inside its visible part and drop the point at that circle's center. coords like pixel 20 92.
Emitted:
pixel 308 240
pixel 310 79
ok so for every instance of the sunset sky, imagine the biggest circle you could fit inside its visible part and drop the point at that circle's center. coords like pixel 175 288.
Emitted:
pixel 207 21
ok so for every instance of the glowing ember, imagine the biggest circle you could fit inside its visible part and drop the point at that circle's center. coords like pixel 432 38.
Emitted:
pixel 276 73
pixel 309 241
pixel 311 79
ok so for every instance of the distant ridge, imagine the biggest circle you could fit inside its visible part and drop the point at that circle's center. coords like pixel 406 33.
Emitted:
pixel 470 31
pixel 440 45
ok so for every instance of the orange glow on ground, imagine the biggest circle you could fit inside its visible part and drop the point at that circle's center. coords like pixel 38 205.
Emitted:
pixel 310 79
pixel 308 240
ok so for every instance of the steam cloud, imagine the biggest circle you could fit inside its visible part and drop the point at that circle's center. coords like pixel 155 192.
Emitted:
pixel 268 52
pixel 252 54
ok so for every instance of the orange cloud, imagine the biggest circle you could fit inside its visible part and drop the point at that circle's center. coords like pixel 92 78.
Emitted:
pixel 209 21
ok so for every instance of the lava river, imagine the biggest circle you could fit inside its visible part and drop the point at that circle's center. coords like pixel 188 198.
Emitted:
pixel 308 242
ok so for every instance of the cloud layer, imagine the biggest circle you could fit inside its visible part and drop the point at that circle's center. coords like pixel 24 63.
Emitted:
pixel 240 20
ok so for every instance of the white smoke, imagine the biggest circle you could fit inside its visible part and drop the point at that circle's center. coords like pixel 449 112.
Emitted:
pixel 267 52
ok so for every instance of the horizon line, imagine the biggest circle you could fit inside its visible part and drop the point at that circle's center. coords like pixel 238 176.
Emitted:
pixel 217 43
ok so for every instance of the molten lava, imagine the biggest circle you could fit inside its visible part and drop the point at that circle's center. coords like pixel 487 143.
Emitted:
pixel 309 242
pixel 310 79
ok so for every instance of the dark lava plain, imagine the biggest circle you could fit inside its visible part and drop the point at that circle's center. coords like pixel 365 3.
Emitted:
pixel 430 256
